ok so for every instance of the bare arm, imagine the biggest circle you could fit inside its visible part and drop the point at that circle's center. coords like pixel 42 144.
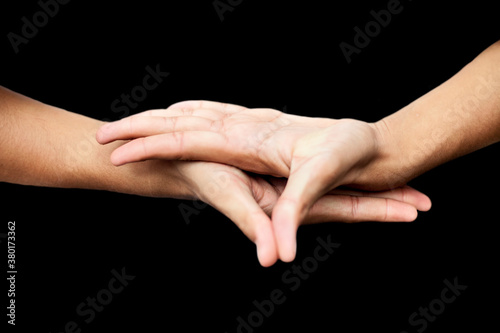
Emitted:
pixel 44 145
pixel 458 117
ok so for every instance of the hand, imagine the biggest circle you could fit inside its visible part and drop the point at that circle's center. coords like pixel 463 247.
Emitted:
pixel 316 154
pixel 249 200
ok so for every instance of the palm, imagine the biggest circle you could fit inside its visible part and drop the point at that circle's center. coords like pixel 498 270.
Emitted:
pixel 262 140
pixel 257 140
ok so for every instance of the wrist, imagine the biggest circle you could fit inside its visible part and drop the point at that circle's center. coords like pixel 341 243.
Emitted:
pixel 151 178
pixel 385 170
pixel 202 180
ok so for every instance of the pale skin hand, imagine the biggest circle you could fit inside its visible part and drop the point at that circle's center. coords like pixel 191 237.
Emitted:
pixel 320 154
pixel 43 145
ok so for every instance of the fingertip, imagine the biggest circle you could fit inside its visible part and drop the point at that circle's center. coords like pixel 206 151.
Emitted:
pixel 288 255
pixel 405 213
pixel 411 215
pixel 285 224
pixel 401 212
pixel 266 256
pixel 421 201
pixel 266 249
pixel 116 158
pixel 426 204
pixel 101 134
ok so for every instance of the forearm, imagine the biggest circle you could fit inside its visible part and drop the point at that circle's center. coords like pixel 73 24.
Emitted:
pixel 456 118
pixel 43 145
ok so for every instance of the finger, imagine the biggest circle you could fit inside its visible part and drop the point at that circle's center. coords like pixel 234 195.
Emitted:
pixel 285 222
pixel 241 208
pixel 179 112
pixel 303 188
pixel 351 209
pixel 140 126
pixel 405 194
pixel 202 104
pixel 201 146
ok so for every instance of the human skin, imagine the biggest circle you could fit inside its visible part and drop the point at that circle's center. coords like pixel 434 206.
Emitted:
pixel 43 145
pixel 319 154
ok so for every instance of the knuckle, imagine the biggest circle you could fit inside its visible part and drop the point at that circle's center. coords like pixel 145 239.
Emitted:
pixel 216 125
pixel 179 142
pixel 171 123
pixel 386 211
pixel 354 208
pixel 144 147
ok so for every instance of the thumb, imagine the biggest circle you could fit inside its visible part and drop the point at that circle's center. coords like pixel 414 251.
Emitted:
pixel 304 187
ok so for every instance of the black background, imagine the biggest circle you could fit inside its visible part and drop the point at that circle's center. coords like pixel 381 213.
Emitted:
pixel 205 274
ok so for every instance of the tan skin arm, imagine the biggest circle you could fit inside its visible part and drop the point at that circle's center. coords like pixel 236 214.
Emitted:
pixel 43 145
pixel 458 117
